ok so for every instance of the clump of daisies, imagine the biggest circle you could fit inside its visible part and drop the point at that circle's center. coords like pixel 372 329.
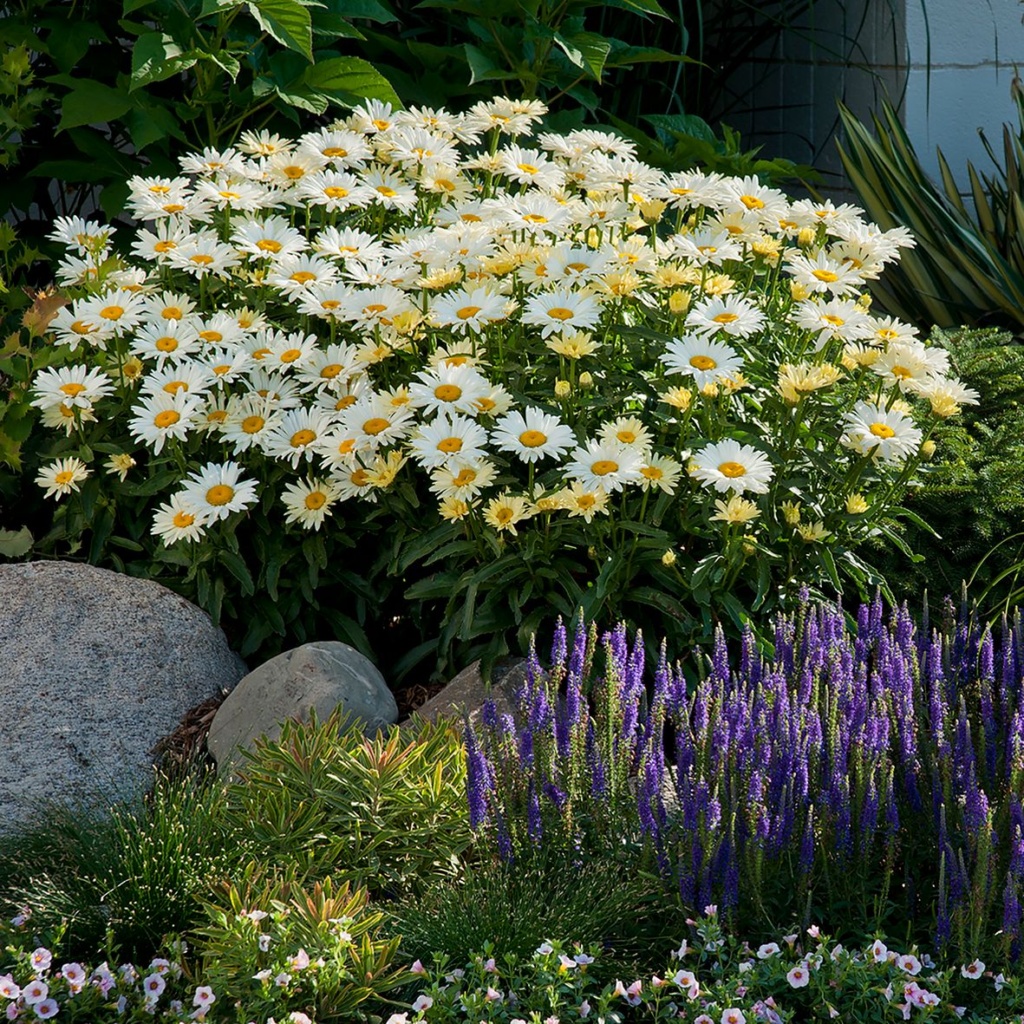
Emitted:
pixel 544 336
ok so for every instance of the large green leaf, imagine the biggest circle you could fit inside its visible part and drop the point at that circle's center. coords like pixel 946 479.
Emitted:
pixel 287 21
pixel 482 68
pixel 586 50
pixel 92 103
pixel 156 57
pixel 344 79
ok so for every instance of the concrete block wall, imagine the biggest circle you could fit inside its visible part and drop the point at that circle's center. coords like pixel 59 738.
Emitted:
pixel 949 65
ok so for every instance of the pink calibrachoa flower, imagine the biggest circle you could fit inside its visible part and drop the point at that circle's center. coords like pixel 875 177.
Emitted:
pixel 9 990
pixel 398 1018
pixel 631 994
pixel 733 1015
pixel 909 963
pixel 799 976
pixel 41 959
pixel 153 985
pixel 13 1011
pixel 767 950
pixel 879 952
pixel 417 968
pixel 35 992
pixel 203 996
pixel 46 1009
pixel 490 966
pixel 974 970
pixel 299 962
pixel 422 1003
pixel 493 995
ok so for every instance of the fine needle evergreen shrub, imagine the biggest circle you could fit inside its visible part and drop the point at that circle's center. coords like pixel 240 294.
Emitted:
pixel 386 813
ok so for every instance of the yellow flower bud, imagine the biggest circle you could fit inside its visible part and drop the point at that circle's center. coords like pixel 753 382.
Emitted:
pixel 586 380
pixel 928 451
pixel 652 210
pixel 668 559
pixel 562 389
pixel 791 512
pixel 678 398
pixel 679 301
pixel 855 504
pixel 710 390
pixel 798 291
pixel 806 236
pixel 864 300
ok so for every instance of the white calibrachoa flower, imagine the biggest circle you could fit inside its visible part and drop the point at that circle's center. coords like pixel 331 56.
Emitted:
pixel 533 331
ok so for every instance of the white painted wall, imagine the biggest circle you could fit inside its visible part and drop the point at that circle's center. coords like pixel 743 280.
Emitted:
pixel 974 46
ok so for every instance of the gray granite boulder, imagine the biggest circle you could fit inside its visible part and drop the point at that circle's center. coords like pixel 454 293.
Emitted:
pixel 322 677
pixel 98 667
pixel 466 693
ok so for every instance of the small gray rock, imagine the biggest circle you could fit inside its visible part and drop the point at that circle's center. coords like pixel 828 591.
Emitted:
pixel 98 667
pixel 467 692
pixel 319 676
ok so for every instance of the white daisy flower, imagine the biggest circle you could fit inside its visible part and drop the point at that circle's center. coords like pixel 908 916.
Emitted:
pixel 733 314
pixel 341 149
pixel 234 194
pixel 532 435
pixel 661 472
pixel 154 246
pixel 296 275
pixel 706 247
pixel 730 466
pixel 74 385
pixel 203 255
pixel 822 273
pixel 462 480
pixel 704 360
pixel 468 309
pixel 388 188
pixel 561 310
pixel 273 238
pixel 214 163
pixel 82 236
pixel 349 244
pixel 447 439
pixel 248 422
pixel 309 502
pixel 173 521
pixel 186 377
pixel 161 416
pixel 216 491
pixel 886 435
pixel 60 478
pixel 375 422
pixel 837 318
pixel 295 436
pixel 333 190
pixel 448 388
pixel 606 466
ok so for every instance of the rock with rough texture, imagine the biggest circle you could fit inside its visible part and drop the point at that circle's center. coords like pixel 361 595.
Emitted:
pixel 467 692
pixel 98 667
pixel 321 677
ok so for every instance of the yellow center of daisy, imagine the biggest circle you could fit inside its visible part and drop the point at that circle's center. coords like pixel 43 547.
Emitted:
pixel 222 369
pixel 347 446
pixel 485 404
pixel 219 494
pixel 345 401
pixel 464 477
pixel 726 318
pixel 828 276
pixel 302 277
pixel 72 388
pixel 732 469
pixel 334 151
pixel 335 192
pixel 112 312
pixel 211 336
pixel 577 267
pixel 652 472
pixel 253 424
pixel 450 445
pixel 503 514
pixel 560 313
pixel 528 168
pixel 681 191
pixel 702 362
pixel 173 207
pixel 374 307
pixel 471 218
pixel 386 190
pixel 183 519
pixel 82 327
pixel 448 392
pixel 172 312
pixel 535 218
pixel 268 245
pixel 360 477
pixel 64 477
pixel 375 426
pixel 160 190
pixel 882 430
pixel 902 372
pixel 707 249
pixel 217 416
pixel 626 436
pixel 301 438
pixel 448 186
pixel 586 501
pixel 381 125
pixel 201 259
pixel 165 246
pixel 315 500
pixel 835 321
pixel 603 467
pixel 467 312
pixel 172 387
pixel 293 172
pixel 166 344
pixel 329 304
pixel 261 353
pixel 331 371
pixel 166 419
pixel 532 438
pixel 752 202
pixel 229 195
pixel 290 355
